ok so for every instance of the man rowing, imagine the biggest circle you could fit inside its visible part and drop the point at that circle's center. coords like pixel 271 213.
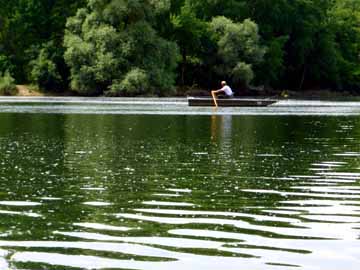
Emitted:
pixel 224 90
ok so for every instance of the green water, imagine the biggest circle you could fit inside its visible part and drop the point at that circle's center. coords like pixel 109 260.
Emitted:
pixel 179 192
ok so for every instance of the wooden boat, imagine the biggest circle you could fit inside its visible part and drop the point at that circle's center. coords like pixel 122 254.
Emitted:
pixel 230 102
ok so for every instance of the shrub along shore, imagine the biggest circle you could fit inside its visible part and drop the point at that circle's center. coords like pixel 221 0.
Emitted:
pixel 173 47
pixel 325 94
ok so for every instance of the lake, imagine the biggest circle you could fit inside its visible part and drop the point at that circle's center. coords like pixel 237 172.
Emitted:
pixel 118 184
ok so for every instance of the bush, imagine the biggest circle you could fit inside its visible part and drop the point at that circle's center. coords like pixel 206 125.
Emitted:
pixel 135 82
pixel 44 72
pixel 243 74
pixel 239 47
pixel 112 48
pixel 7 84
pixel 5 64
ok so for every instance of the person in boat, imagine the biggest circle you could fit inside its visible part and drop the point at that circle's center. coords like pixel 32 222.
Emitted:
pixel 225 91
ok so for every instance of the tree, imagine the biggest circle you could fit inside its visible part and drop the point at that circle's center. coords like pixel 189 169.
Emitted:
pixel 238 48
pixel 345 20
pixel 188 32
pixel 44 72
pixel 29 24
pixel 110 42
pixel 116 46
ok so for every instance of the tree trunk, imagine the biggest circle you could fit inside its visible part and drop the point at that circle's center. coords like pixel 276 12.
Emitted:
pixel 183 68
pixel 302 77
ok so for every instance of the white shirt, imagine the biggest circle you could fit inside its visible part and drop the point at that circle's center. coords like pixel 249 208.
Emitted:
pixel 227 90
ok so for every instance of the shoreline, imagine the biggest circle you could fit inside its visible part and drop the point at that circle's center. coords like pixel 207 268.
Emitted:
pixel 166 101
pixel 325 94
pixel 29 93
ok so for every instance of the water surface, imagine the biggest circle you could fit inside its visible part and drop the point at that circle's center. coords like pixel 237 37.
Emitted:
pixel 156 191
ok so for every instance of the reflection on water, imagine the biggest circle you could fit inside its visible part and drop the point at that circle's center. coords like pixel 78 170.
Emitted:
pixel 179 192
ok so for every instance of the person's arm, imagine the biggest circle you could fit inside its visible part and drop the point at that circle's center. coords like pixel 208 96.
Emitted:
pixel 213 94
pixel 218 91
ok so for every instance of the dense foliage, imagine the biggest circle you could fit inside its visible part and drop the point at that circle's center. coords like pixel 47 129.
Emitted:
pixel 7 84
pixel 136 47
pixel 112 47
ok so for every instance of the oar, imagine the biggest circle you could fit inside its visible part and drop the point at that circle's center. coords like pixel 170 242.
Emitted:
pixel 214 98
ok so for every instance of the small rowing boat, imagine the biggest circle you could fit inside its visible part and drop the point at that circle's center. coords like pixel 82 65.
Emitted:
pixel 230 102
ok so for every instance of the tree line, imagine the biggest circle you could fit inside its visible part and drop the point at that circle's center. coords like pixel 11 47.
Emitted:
pixel 137 47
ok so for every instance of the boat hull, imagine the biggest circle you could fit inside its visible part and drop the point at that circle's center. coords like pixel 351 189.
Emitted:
pixel 230 102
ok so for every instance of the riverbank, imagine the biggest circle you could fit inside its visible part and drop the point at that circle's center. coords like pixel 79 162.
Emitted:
pixel 31 91
pixel 26 91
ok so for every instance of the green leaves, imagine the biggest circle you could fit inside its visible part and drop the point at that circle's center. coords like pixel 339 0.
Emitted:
pixel 112 50
pixel 7 84
pixel 238 48
pixel 29 24
pixel 345 22
pixel 282 44
pixel 44 72
pixel 136 81
pixel 242 72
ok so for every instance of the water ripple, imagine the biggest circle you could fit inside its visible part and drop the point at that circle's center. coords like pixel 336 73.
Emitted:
pixel 179 192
